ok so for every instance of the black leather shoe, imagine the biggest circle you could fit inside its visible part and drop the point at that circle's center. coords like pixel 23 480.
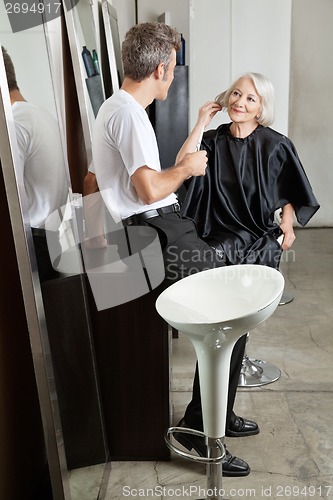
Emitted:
pixel 241 427
pixel 231 466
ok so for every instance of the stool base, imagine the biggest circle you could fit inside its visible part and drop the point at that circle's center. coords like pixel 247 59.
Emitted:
pixel 215 452
pixel 214 470
pixel 256 372
pixel 286 298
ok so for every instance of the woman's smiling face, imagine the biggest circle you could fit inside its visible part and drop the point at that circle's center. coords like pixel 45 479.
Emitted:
pixel 244 102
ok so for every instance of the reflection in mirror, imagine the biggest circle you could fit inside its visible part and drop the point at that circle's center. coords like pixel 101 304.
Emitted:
pixel 110 21
pixel 97 22
pixel 37 184
pixel 85 56
pixel 11 162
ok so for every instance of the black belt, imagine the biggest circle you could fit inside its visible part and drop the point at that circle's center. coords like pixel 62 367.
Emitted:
pixel 137 218
pixel 38 231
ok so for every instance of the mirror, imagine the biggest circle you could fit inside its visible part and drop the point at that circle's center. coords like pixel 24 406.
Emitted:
pixel 56 311
pixel 110 22
pixel 82 28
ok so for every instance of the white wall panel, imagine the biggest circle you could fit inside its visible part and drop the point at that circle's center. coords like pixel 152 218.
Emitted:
pixel 260 33
pixel 229 37
pixel 311 98
pixel 210 36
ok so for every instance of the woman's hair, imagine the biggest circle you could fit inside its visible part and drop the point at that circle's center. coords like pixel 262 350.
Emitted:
pixel 147 45
pixel 265 90
pixel 10 71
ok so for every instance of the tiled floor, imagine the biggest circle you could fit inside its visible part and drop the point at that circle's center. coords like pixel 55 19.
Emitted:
pixel 292 457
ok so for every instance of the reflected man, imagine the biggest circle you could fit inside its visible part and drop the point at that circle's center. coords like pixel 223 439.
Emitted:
pixel 42 160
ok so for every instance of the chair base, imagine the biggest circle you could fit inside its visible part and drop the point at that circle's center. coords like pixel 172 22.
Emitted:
pixel 286 298
pixel 216 453
pixel 256 372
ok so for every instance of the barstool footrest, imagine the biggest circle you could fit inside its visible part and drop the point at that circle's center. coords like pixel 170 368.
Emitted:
pixel 190 456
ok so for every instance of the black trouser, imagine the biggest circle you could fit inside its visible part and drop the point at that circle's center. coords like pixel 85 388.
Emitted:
pixel 185 253
pixel 45 269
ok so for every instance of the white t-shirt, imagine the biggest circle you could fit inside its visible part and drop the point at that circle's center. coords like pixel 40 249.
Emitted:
pixel 42 159
pixel 123 141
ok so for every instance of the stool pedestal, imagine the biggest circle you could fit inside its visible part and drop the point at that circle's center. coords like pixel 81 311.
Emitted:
pixel 256 372
pixel 214 309
pixel 286 298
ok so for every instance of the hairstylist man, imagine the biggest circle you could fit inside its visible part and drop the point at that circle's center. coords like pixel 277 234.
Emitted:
pixel 129 176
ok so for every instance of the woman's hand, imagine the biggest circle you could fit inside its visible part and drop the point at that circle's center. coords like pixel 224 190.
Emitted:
pixel 192 143
pixel 207 112
pixel 288 236
pixel 287 226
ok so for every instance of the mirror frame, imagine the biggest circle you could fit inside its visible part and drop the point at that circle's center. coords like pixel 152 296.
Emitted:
pixel 32 296
pixel 85 107
pixel 114 53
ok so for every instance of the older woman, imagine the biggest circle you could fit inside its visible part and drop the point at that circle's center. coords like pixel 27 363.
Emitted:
pixel 252 172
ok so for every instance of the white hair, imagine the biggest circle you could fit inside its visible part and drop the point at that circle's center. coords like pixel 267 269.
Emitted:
pixel 265 90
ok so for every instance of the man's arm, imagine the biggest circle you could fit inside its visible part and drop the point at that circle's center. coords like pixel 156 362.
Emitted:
pixel 152 186
pixel 94 213
pixel 205 115
pixel 90 185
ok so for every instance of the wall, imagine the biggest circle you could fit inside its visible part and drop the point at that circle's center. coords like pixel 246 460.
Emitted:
pixel 311 97
pixel 149 11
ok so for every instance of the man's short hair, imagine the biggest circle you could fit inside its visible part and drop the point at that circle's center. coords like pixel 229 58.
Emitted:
pixel 147 45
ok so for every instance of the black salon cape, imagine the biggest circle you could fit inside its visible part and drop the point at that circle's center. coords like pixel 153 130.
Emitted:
pixel 246 181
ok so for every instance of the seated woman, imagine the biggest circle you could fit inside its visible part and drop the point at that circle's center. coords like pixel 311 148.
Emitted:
pixel 252 171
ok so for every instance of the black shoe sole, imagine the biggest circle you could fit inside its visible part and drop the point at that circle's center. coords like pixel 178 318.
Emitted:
pixel 241 434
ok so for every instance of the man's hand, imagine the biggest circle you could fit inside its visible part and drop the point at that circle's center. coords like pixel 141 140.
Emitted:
pixel 194 163
pixel 152 186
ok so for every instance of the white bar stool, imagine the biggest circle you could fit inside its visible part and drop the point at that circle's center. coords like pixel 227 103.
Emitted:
pixel 214 308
